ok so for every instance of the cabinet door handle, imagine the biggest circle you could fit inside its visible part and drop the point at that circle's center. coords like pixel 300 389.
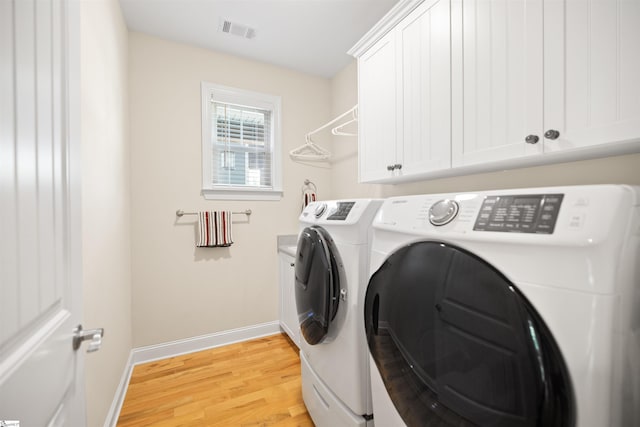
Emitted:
pixel 532 139
pixel 552 134
pixel 292 265
pixel 397 166
pixel 390 167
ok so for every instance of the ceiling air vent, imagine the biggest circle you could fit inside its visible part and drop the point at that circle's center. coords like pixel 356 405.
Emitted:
pixel 236 29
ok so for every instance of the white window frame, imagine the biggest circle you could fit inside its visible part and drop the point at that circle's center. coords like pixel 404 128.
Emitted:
pixel 247 98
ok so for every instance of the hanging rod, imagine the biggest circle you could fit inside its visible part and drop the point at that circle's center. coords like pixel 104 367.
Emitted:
pixel 180 212
pixel 354 114
pixel 312 152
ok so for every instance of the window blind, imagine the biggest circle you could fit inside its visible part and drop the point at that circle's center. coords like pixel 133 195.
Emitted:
pixel 242 147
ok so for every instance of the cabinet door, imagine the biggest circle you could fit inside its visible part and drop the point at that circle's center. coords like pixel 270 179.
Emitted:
pixel 288 313
pixel 377 109
pixel 424 50
pixel 497 79
pixel 592 72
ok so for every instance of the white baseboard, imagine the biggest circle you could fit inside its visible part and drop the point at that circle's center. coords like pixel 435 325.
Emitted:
pixel 179 347
pixel 121 391
pixel 203 342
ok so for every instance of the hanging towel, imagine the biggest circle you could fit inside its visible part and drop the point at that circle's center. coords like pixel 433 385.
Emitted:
pixel 308 196
pixel 214 229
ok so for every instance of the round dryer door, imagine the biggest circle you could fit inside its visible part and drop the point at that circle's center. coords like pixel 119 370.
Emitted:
pixel 317 283
pixel 457 344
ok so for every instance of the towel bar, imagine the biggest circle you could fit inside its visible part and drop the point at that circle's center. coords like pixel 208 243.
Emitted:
pixel 180 212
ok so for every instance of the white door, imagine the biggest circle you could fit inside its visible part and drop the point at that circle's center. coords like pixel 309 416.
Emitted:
pixel 497 67
pixel 424 45
pixel 377 110
pixel 40 374
pixel 592 69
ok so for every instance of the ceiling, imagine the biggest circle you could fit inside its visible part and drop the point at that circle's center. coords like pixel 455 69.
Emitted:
pixel 311 36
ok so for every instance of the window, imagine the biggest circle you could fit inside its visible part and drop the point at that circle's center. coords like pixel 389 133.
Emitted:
pixel 240 144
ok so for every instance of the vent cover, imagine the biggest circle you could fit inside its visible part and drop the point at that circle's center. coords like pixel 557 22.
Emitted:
pixel 236 29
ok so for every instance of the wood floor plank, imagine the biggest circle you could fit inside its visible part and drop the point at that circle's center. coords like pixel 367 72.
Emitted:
pixel 252 383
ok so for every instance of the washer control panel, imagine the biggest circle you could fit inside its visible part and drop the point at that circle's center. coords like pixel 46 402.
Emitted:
pixel 443 212
pixel 341 212
pixel 528 213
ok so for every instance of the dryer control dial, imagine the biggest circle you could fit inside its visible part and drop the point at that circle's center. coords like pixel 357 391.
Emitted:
pixel 443 212
pixel 320 210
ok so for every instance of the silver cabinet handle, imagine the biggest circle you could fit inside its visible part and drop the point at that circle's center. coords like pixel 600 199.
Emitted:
pixel 552 134
pixel 397 166
pixel 532 139
pixel 93 335
pixel 292 264
pixel 390 167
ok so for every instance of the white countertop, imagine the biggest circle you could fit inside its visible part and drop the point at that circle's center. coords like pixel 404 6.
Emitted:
pixel 287 244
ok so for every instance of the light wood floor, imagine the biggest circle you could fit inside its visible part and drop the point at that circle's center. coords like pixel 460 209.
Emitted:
pixel 253 383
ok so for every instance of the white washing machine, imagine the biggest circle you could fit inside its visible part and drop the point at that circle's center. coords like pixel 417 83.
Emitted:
pixel 506 308
pixel 331 273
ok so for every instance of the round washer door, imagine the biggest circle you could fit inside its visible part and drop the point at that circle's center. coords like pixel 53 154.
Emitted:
pixel 317 283
pixel 457 344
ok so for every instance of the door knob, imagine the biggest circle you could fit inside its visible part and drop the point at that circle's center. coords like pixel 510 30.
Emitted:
pixel 552 134
pixel 93 335
pixel 532 139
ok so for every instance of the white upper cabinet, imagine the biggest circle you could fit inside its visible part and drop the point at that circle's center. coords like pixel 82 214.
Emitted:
pixel 451 87
pixel 404 93
pixel 377 109
pixel 497 80
pixel 424 79
pixel 592 72
pixel 544 77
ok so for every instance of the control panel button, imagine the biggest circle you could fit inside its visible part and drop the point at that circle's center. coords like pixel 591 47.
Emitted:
pixel 443 212
pixel 320 210
pixel 576 220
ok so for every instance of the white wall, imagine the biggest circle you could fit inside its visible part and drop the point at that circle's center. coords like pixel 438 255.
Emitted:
pixel 344 177
pixel 105 199
pixel 180 291
pixel 344 172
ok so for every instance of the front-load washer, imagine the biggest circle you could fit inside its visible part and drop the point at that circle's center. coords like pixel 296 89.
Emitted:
pixel 331 272
pixel 506 308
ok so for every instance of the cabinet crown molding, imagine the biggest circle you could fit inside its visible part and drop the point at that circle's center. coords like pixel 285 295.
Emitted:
pixel 383 26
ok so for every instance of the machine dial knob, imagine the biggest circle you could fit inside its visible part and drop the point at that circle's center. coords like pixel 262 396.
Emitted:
pixel 443 212
pixel 320 210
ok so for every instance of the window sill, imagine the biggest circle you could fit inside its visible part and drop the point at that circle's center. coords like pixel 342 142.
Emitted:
pixel 241 194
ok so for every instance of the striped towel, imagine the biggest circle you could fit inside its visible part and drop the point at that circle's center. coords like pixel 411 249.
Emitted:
pixel 308 196
pixel 214 229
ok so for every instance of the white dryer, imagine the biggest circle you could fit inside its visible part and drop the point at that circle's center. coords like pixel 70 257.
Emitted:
pixel 506 308
pixel 331 273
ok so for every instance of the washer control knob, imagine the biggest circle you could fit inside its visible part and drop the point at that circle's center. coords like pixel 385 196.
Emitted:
pixel 320 210
pixel 443 212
